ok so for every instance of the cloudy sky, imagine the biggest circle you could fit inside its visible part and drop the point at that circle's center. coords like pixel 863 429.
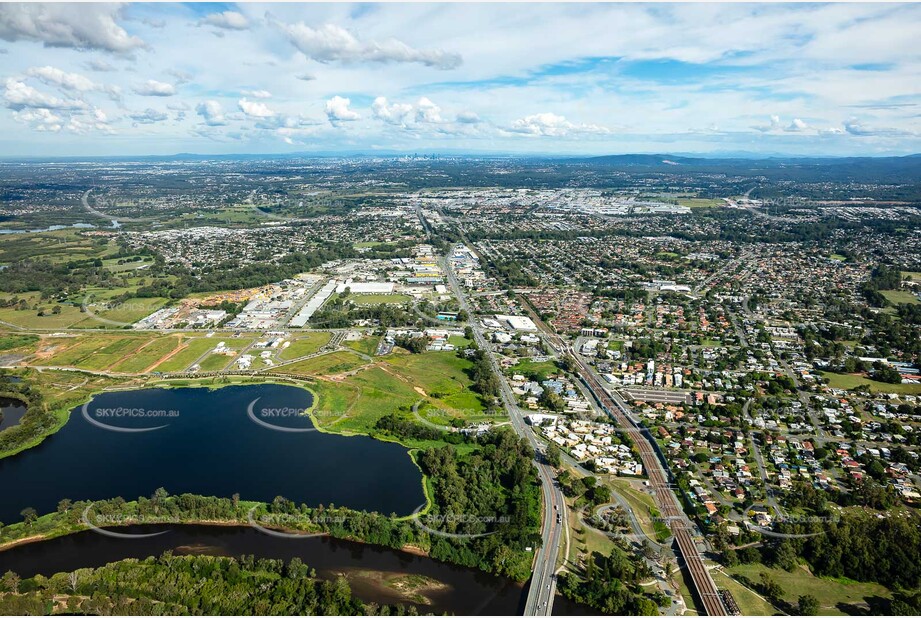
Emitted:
pixel 82 79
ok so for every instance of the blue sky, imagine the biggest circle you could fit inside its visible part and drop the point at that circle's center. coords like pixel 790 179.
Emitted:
pixel 810 79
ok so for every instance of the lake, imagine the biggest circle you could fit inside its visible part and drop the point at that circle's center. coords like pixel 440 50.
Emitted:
pixel 11 412
pixel 374 573
pixel 209 442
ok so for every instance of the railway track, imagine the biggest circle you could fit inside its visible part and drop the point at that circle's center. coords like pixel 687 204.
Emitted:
pixel 704 585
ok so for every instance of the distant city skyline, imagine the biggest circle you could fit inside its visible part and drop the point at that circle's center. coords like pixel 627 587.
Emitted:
pixel 159 79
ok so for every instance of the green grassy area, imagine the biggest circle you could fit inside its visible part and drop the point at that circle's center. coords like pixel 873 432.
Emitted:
pixel 215 362
pixel 750 602
pixel 28 318
pixel 334 362
pixel 700 202
pixel 95 351
pixel 847 381
pixel 711 343
pixel 128 312
pixel 838 257
pixel 834 594
pixel 365 345
pixel 897 297
pixel 459 342
pixel 640 503
pixel 305 344
pixel 542 370
pixel 192 349
pixel 21 343
pixel 355 403
pixel 147 355
pixel 379 299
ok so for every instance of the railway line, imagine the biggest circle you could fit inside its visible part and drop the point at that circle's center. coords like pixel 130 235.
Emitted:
pixel 703 584
pixel 656 470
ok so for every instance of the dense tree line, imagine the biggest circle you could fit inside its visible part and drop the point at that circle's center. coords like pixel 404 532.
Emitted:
pixel 610 584
pixel 854 544
pixel 38 420
pixel 493 492
pixel 188 585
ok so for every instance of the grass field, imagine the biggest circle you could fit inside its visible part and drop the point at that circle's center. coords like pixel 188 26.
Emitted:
pixel 365 345
pixel 21 343
pixel 192 349
pixel 699 202
pixel 897 297
pixel 848 381
pixel 354 403
pixel 305 344
pixel 542 370
pixel 94 351
pixel 148 355
pixel 128 312
pixel 335 362
pixel 749 601
pixel 29 318
pixel 834 595
pixel 379 299
pixel 215 362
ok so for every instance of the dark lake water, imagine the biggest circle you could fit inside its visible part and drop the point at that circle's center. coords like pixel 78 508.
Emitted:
pixel 11 412
pixel 368 568
pixel 211 446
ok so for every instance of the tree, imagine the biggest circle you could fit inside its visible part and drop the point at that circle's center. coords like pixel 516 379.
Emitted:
pixel 808 605
pixel 29 515
pixel 10 582
pixel 554 455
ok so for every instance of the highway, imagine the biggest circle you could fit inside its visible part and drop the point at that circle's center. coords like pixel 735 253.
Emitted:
pixel 543 582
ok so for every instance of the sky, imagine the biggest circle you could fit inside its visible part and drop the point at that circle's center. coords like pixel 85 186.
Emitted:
pixel 569 79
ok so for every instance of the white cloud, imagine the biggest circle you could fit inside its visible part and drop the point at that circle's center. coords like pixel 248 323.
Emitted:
pixel 57 77
pixel 549 124
pixel 153 88
pixel 40 119
pixel 80 26
pixel 796 126
pixel 337 110
pixel 857 128
pixel 258 94
pixel 19 95
pixel 212 113
pixel 306 77
pixel 427 111
pixel 331 43
pixel 391 114
pixel 228 20
pixel 255 109
pixel 100 66
pixel 148 116
pixel 468 118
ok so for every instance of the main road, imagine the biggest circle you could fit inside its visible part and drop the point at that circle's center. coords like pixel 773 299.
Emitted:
pixel 543 581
